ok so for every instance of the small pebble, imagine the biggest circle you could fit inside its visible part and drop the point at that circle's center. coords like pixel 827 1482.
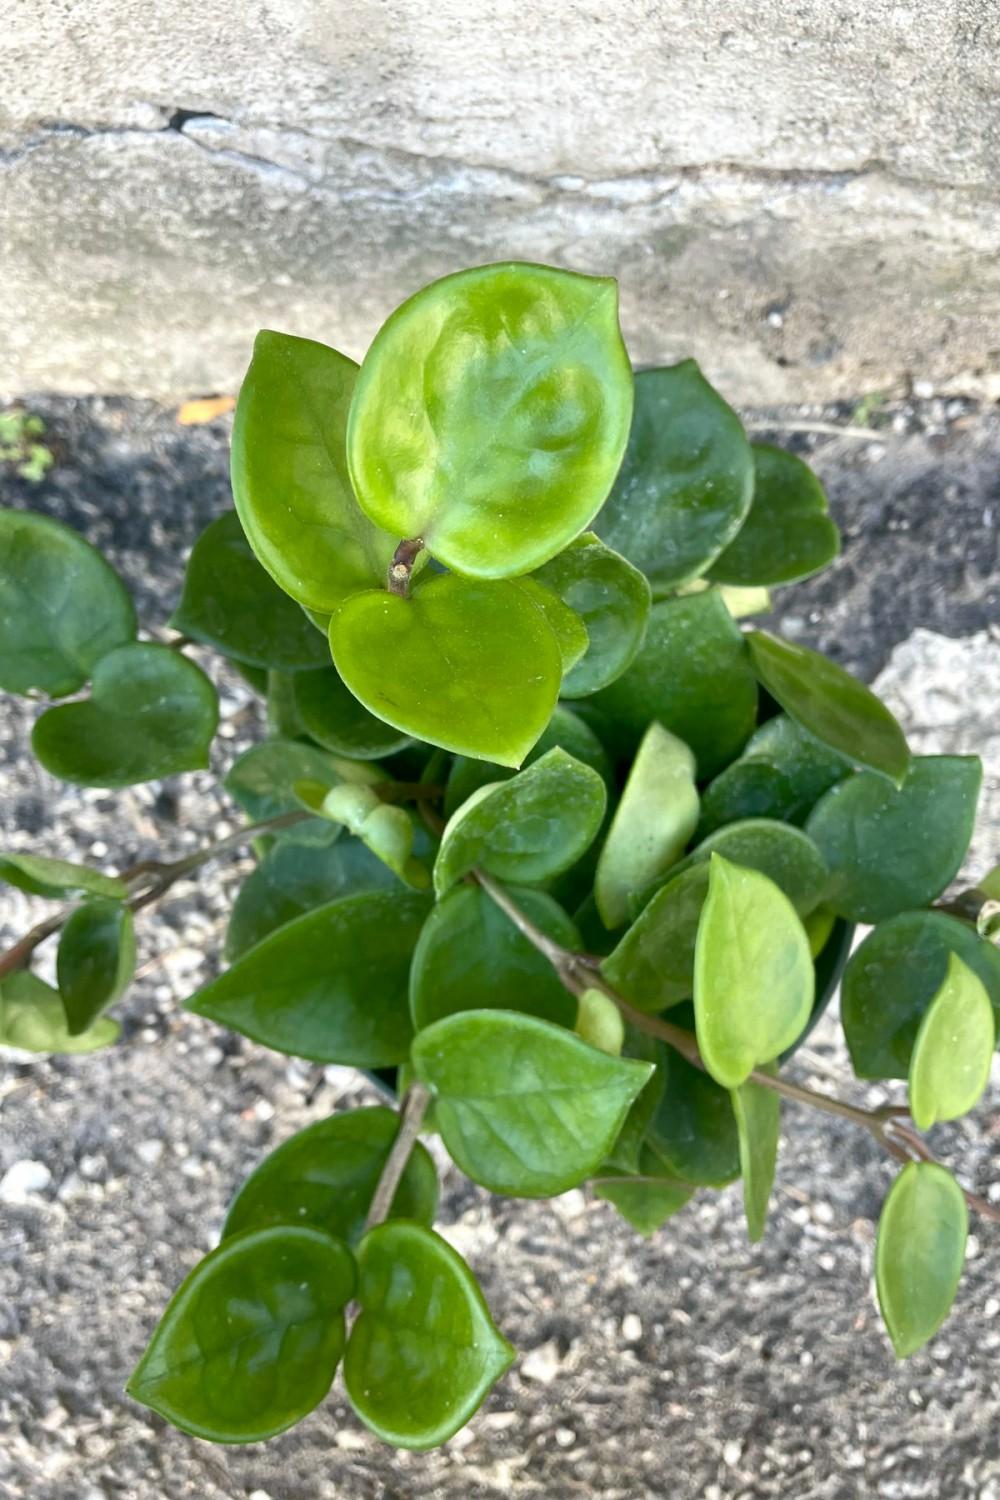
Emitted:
pixel 732 1452
pixel 24 1180
pixel 149 1152
pixel 541 1364
pixel 631 1328
pixel 565 1437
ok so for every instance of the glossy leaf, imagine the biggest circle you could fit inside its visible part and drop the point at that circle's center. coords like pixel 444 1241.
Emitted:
pixel 626 1152
pixel 95 961
pixel 565 624
pixel 564 729
pixel 470 956
pixel 599 1022
pixel 62 607
pixel 889 850
pixel 527 829
pixel 289 470
pixel 263 778
pixel 950 1064
pixel 251 1340
pixel 652 823
pixel 753 973
pixel 758 1123
pixel 830 704
pixel 781 774
pixel 646 1198
pixel 475 667
pixel 686 483
pixel 331 985
pixel 611 598
pixel 919 1253
pixel 788 533
pixel 385 828
pixel 332 716
pixel 653 964
pixel 231 603
pixel 150 713
pixel 325 1176
pixel 491 415
pixel 424 1351
pixel 523 1106
pixel 694 1128
pixel 892 978
pixel 32 1018
pixel 55 878
pixel 784 854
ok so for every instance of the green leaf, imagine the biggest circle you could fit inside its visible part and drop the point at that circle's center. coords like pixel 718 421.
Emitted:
pixel 693 675
pixel 527 829
pixel 686 483
pixel 263 778
pixel 95 961
pixel 491 414
pixel 892 979
pixel 950 1064
pixel 150 713
pixel 62 607
pixel 919 1253
pixel 753 973
pixel 891 849
pixel 694 1128
pixel 231 603
pixel 387 830
pixel 564 729
pixel 599 1022
pixel 470 956
pixel 289 470
pixel 32 1018
pixel 251 1340
pixel 331 714
pixel 325 1176
pixel 647 1198
pixel 626 1152
pixel 524 1107
pixel 612 599
pixel 565 624
pixel 424 1351
pixel 784 854
pixel 653 964
pixel 473 667
pixel 331 985
pixel 656 816
pixel 788 533
pixel 831 704
pixel 54 878
pixel 758 1122
pixel 781 774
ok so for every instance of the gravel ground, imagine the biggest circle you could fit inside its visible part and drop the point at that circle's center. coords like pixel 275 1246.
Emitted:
pixel 693 1366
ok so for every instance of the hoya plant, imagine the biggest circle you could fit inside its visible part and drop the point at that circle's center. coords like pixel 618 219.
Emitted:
pixel 549 840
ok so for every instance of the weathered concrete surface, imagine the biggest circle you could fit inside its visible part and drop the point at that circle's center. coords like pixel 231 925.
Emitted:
pixel 804 197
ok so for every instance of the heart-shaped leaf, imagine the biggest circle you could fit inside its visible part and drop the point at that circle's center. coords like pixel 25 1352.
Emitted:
pixel 330 714
pixel 95 961
pixel 289 470
pixel 32 1018
pixel 694 1128
pixel 781 774
pixel 831 704
pixel 753 973
pixel 950 1065
pixel 491 414
pixel 788 533
pixel 565 624
pixel 648 1197
pixel 564 729
pixel 611 598
pixel 919 1253
pixel 324 1178
pixel 523 1106
pixel 473 667
pixel 251 1340
pixel 758 1122
pixel 62 607
pixel 424 1351
pixel 686 483
pixel 150 713
pixel 41 876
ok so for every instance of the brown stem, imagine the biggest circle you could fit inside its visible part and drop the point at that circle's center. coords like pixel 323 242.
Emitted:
pixel 401 567
pixel 411 1116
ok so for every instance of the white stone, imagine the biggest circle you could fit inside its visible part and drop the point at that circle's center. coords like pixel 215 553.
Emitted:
pixel 631 1328
pixel 150 1151
pixel 24 1181
pixel 542 1364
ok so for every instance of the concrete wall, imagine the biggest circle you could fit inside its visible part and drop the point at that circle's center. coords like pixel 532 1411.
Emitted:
pixel 805 195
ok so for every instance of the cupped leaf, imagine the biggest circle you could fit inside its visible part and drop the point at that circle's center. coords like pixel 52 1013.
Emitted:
pixel 424 1351
pixel 95 961
pixel 891 981
pixel 758 1122
pixel 54 878
pixel 150 713
pixel 386 829
pixel 491 415
pixel 656 816
pixel 251 1340
pixel 263 778
pixel 830 704
pixel 694 1128
pixel 332 716
pixel 32 1018
pixel 62 607
pixel 753 975
pixel 470 956
pixel 289 471
pixel 523 1106
pixel 564 729
pixel 331 985
pixel 526 829
pixel 891 849
pixel 230 602
pixel 565 624
pixel 919 1253
pixel 324 1177
pixel 473 667
pixel 950 1064
pixel 646 1198
pixel 611 598
pixel 781 774
pixel 692 675
pixel 788 533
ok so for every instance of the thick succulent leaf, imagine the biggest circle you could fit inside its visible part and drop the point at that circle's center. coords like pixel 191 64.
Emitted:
pixel 331 715
pixel 566 625
pixel 950 1065
pixel 646 1198
pixel 388 830
pixel 32 1018
pixel 612 599
pixel 785 854
pixel 788 533
pixel 919 1253
pixel 564 729
pixel 55 878
pixel 95 960
pixel 781 774
pixel 599 1022
pixel 694 1128
pixel 758 1121
pixel 653 964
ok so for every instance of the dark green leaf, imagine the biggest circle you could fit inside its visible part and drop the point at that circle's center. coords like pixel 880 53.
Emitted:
pixel 524 1107
pixel 653 965
pixel 62 607
pixel 332 716
pixel 781 774
pixel 565 624
pixel 250 1341
pixel 784 854
pixel 625 1154
pixel 788 534
pixel 32 1018
pixel 950 1065
pixel 647 1198
pixel 41 876
pixel 694 1129
pixel 758 1121
pixel 612 599
pixel 564 729
pixel 424 1351
pixel 95 961
pixel 919 1253
pixel 150 713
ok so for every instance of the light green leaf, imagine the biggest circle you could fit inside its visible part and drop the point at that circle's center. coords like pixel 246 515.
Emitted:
pixel 919 1253
pixel 387 830
pixel 32 1019
pixel 95 961
pixel 950 1065
pixel 612 599
pixel 647 1198
pixel 54 878
pixel 565 624
pixel 599 1022
pixel 263 778
pixel 564 729
pixel 788 533
pixel 331 714
pixel 758 1121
